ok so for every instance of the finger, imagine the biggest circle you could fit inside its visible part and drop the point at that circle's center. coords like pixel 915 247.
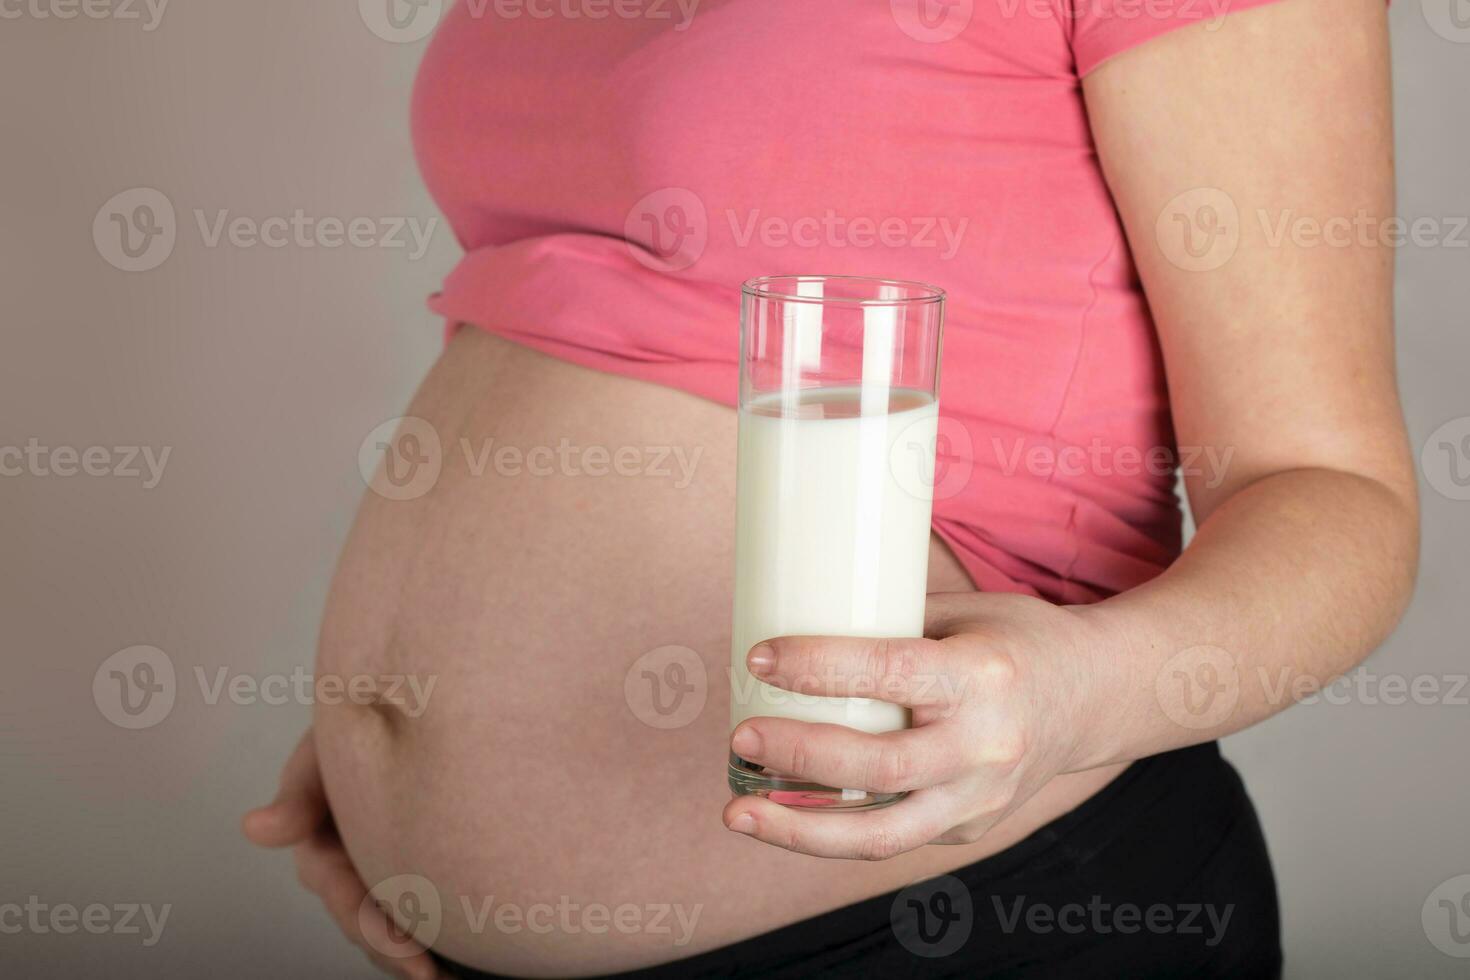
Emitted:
pixel 969 833
pixel 325 869
pixel 319 858
pixel 835 755
pixel 352 907
pixel 391 948
pixel 912 672
pixel 300 806
pixel 874 835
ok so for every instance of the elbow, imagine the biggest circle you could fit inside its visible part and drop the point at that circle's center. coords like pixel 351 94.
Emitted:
pixel 1408 564
pixel 1400 549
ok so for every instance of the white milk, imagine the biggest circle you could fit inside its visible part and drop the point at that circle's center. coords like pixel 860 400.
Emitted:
pixel 832 536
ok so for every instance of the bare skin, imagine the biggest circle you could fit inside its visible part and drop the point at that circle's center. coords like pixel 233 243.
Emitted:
pixel 1282 352
pixel 529 597
pixel 523 776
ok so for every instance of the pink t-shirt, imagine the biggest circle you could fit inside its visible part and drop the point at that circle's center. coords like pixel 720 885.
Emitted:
pixel 616 169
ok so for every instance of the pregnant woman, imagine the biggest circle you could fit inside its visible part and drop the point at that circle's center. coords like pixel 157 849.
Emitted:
pixel 1114 195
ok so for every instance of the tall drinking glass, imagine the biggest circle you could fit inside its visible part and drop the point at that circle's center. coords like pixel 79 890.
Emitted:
pixel 839 402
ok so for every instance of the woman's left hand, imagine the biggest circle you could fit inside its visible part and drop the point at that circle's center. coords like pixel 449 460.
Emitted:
pixel 1000 695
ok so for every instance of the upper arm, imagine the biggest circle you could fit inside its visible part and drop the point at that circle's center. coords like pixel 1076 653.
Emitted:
pixel 1224 146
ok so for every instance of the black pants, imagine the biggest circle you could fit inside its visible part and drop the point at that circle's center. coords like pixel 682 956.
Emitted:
pixel 1162 874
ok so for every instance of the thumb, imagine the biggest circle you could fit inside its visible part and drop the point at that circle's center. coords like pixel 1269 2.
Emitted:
pixel 300 806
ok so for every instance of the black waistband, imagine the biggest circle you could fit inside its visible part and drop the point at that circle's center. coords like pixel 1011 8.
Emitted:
pixel 1162 828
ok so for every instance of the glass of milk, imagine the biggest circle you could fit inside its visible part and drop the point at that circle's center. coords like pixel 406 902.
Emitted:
pixel 839 401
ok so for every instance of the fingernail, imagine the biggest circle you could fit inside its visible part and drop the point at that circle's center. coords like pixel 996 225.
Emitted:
pixel 746 743
pixel 743 823
pixel 762 660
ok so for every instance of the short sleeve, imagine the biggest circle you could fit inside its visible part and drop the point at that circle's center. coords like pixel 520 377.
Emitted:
pixel 1104 28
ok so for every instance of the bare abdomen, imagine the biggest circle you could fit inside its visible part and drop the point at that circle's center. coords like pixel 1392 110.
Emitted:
pixel 526 787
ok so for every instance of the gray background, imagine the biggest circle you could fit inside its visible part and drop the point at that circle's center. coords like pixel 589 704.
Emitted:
pixel 264 369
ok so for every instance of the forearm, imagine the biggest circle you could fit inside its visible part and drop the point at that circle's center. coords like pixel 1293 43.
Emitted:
pixel 1289 583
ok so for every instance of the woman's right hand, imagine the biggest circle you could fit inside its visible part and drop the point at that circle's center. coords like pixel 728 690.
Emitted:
pixel 300 819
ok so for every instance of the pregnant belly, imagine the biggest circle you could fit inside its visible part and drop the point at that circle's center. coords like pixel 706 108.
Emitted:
pixel 567 823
